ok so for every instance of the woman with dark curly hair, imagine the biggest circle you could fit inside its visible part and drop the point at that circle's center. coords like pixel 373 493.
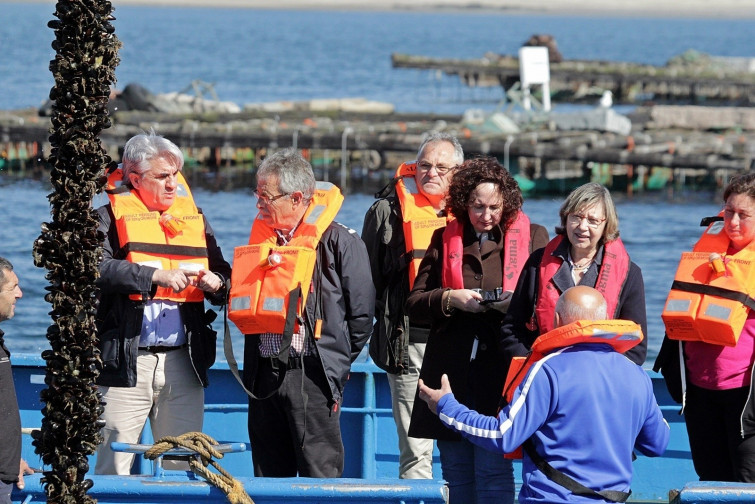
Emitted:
pixel 462 291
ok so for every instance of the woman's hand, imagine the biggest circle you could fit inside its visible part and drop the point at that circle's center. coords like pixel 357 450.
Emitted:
pixel 466 300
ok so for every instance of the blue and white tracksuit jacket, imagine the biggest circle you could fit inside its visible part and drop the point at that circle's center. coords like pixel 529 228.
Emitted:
pixel 586 407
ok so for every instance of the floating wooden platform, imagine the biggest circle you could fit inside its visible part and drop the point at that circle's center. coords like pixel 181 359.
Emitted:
pixel 371 146
pixel 629 82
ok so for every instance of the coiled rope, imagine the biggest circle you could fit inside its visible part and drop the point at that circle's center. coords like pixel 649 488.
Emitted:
pixel 204 446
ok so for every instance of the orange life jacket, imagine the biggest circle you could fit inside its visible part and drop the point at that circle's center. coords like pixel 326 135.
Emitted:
pixel 174 239
pixel 516 251
pixel 712 292
pixel 270 283
pixel 621 335
pixel 419 217
pixel 611 279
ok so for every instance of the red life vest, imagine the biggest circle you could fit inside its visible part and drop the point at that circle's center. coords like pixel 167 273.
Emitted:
pixel 707 304
pixel 419 217
pixel 611 279
pixel 270 282
pixel 516 251
pixel 174 239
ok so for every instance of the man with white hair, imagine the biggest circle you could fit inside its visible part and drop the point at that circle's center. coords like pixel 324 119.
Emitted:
pixel 160 262
pixel 580 411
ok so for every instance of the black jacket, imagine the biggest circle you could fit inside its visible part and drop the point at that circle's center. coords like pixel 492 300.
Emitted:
pixel 383 234
pixel 119 319
pixel 344 299
pixel 477 383
pixel 10 421
pixel 517 338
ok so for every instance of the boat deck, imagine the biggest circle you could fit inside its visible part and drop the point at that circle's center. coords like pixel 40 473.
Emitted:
pixel 369 435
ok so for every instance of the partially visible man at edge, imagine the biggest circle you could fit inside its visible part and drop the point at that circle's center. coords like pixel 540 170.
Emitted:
pixel 397 230
pixel 297 365
pixel 160 262
pixel 12 466
pixel 580 411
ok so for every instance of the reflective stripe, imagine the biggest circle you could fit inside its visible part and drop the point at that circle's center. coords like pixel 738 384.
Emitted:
pixel 678 305
pixel 717 311
pixel 241 303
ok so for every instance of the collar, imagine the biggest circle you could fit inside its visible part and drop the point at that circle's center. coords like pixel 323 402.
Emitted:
pixel 284 238
pixel 562 252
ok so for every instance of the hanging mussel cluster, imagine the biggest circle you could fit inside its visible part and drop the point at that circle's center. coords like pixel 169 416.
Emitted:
pixel 69 246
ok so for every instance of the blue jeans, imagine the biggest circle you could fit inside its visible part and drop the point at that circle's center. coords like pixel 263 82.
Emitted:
pixel 475 475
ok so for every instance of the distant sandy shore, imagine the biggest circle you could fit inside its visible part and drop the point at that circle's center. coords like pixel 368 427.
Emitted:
pixel 721 9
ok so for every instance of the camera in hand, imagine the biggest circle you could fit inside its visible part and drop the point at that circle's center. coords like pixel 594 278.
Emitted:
pixel 490 296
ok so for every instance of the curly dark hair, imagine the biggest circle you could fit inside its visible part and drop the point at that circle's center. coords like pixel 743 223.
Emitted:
pixel 473 172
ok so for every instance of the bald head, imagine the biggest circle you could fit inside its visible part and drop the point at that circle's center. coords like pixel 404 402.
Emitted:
pixel 580 303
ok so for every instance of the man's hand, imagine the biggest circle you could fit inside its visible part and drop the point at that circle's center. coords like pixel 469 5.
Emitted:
pixel 432 396
pixel 176 279
pixel 23 469
pixel 207 281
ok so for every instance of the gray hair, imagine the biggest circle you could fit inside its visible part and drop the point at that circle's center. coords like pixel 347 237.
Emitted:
pixel 294 173
pixel 438 137
pixel 141 149
pixel 586 196
pixel 5 265
pixel 570 310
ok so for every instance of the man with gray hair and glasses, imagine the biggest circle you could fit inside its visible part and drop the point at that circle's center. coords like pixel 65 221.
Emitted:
pixel 301 295
pixel 397 230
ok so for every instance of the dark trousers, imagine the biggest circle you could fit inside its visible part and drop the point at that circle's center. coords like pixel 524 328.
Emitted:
pixel 719 452
pixel 297 429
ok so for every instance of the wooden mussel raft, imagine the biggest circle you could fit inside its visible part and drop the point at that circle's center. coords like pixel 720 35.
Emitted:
pixel 688 78
pixel 690 141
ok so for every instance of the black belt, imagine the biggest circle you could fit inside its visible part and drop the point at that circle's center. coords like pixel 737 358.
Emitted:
pixel 161 349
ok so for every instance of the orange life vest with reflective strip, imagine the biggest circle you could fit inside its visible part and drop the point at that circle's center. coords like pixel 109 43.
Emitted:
pixel 516 251
pixel 419 217
pixel 174 239
pixel 611 279
pixel 707 303
pixel 270 283
pixel 621 335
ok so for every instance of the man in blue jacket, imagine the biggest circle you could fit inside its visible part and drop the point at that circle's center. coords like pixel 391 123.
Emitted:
pixel 579 413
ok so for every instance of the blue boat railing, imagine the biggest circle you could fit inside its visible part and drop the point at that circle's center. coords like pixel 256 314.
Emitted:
pixel 368 429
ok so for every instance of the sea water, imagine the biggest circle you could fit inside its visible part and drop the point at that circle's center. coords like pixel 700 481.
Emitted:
pixel 271 55
pixel 654 229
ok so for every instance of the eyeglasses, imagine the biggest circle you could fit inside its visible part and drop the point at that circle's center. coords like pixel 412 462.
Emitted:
pixel 730 213
pixel 268 199
pixel 441 169
pixel 592 222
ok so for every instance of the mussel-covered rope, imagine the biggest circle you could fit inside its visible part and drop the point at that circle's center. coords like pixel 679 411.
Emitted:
pixel 204 446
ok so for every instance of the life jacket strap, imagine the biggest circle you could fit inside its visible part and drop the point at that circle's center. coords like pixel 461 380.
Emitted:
pixel 288 333
pixel 568 482
pixel 165 249
pixel 407 257
pixel 712 290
